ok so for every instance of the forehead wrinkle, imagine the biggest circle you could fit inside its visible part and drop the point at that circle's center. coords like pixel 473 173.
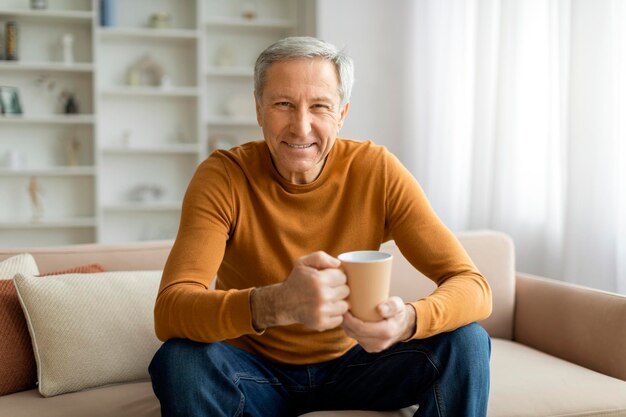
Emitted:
pixel 308 76
pixel 293 97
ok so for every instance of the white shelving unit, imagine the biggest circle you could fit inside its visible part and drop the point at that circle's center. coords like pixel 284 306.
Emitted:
pixel 35 146
pixel 149 136
pixel 118 170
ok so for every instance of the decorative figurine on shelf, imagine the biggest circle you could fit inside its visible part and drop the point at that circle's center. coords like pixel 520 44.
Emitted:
pixel 107 13
pixel 10 100
pixel 145 193
pixel 36 200
pixel 38 4
pixel 10 50
pixel 67 101
pixel 72 151
pixel 67 48
pixel 248 10
pixel 70 105
pixel 147 71
pixel 160 20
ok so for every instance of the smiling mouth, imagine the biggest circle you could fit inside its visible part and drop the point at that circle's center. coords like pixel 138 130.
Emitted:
pixel 293 146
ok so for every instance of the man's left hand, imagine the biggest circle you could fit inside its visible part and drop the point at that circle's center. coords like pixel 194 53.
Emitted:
pixel 398 324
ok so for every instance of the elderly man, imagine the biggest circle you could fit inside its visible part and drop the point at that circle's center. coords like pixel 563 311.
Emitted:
pixel 267 220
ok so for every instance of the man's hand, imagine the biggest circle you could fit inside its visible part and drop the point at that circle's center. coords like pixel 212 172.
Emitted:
pixel 314 295
pixel 398 324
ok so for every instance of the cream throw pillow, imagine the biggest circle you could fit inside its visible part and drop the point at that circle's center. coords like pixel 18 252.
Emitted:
pixel 90 330
pixel 23 263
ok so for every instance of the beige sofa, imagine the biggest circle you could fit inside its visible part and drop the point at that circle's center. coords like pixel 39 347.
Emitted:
pixel 557 349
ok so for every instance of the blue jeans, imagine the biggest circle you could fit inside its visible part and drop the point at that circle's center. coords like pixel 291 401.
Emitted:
pixel 447 375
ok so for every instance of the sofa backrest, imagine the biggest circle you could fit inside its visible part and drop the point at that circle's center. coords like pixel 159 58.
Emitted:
pixel 120 257
pixel 494 256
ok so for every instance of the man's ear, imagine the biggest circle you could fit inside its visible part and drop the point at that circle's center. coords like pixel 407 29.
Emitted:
pixel 343 114
pixel 257 105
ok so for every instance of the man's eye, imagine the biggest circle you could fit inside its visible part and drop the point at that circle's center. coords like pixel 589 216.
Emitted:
pixel 320 107
pixel 283 104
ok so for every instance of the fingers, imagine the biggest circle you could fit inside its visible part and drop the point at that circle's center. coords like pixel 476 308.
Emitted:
pixel 319 260
pixel 337 309
pixel 379 335
pixel 316 291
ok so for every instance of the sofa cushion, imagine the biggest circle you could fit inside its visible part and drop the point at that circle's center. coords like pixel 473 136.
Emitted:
pixel 134 399
pixel 526 382
pixel 17 364
pixel 18 370
pixel 24 263
pixel 90 329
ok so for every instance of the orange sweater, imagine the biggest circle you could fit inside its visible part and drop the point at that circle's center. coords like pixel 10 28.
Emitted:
pixel 242 221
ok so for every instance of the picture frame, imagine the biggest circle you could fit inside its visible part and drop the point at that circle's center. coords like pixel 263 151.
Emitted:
pixel 10 100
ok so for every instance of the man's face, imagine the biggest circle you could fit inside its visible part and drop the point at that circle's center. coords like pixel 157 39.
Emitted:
pixel 300 113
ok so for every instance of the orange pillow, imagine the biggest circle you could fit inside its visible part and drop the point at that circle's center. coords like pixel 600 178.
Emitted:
pixel 18 369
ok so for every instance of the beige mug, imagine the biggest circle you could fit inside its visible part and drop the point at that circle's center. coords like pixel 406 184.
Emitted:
pixel 369 277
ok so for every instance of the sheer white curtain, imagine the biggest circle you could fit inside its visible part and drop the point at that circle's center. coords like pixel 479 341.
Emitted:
pixel 515 120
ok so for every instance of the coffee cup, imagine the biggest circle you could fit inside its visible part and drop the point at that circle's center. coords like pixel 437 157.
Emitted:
pixel 369 277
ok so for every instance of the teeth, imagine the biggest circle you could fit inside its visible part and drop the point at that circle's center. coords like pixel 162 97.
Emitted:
pixel 300 146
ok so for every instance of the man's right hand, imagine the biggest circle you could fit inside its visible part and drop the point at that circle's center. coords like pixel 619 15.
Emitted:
pixel 314 294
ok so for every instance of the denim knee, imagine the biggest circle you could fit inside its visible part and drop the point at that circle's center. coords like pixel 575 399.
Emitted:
pixel 471 346
pixel 169 355
pixel 187 382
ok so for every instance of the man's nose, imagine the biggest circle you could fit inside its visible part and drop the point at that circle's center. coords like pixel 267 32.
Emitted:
pixel 300 122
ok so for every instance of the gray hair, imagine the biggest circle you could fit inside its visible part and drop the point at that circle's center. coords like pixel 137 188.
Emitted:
pixel 305 47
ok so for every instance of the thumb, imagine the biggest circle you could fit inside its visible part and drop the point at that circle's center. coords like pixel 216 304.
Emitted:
pixel 391 307
pixel 319 260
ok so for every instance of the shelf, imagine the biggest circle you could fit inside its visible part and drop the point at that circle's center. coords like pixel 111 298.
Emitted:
pixel 79 171
pixel 53 119
pixel 237 22
pixel 149 33
pixel 183 148
pixel 153 206
pixel 49 223
pixel 45 66
pixel 231 121
pixel 143 91
pixel 58 15
pixel 229 71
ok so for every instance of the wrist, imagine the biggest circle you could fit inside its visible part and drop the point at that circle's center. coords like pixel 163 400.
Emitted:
pixel 264 307
pixel 411 326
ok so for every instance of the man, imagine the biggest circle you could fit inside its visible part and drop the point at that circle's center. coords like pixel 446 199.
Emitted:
pixel 276 337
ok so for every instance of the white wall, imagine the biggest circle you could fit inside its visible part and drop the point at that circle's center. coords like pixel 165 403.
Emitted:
pixel 373 33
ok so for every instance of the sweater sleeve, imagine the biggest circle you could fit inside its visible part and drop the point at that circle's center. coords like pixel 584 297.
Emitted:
pixel 462 295
pixel 186 306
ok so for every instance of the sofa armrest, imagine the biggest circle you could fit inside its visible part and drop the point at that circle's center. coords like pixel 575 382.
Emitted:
pixel 575 323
